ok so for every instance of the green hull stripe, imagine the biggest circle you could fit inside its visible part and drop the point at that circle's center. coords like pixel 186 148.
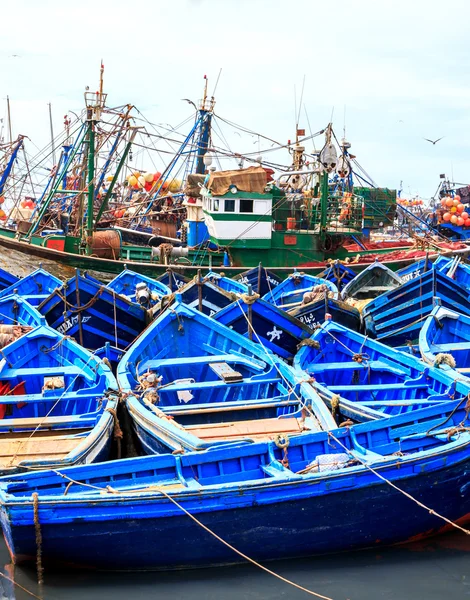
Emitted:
pixel 239 217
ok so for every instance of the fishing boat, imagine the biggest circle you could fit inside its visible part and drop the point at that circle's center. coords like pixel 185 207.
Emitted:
pixel 93 314
pixel 172 279
pixel 362 379
pixel 234 220
pixel 455 269
pixel 138 288
pixel 396 317
pixel 202 294
pixel 373 281
pixel 56 403
pixel 17 317
pixel 366 486
pixel 444 340
pixel 15 310
pixel 339 273
pixel 193 384
pixel 417 268
pixel 313 313
pixel 229 285
pixel 7 279
pixel 261 279
pixel 290 292
pixel 34 287
pixel 264 323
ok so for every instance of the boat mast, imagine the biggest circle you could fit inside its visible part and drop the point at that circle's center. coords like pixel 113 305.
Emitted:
pixel 324 192
pixel 104 204
pixel 52 134
pixel 205 118
pixel 94 105
pixel 10 139
pixel 9 166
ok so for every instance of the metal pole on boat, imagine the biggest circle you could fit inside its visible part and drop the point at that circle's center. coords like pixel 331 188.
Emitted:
pixel 79 314
pixel 259 278
pixel 199 290
pixel 250 313
pixel 10 137
pixel 52 134
pixel 426 262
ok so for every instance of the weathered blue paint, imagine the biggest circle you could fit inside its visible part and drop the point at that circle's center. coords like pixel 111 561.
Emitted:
pixel 372 379
pixel 101 314
pixel 248 497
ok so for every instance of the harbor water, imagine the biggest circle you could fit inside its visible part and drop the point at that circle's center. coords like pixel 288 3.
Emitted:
pixel 436 569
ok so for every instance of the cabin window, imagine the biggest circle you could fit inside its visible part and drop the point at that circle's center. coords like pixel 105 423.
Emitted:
pixel 246 206
pixel 229 205
pixel 216 205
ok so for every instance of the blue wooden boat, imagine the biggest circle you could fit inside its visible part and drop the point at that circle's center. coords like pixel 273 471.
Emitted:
pixel 93 314
pixel 194 384
pixel 225 283
pixel 455 269
pixel 7 279
pixel 261 279
pixel 110 355
pixel 15 310
pixel 202 295
pixel 446 334
pixel 415 269
pixel 314 313
pixel 138 288
pixel 17 317
pixel 53 403
pixel 338 273
pixel 397 316
pixel 173 280
pixel 374 280
pixel 322 498
pixel 263 322
pixel 360 378
pixel 290 292
pixel 34 288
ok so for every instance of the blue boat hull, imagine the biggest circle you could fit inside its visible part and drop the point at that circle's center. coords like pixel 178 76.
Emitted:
pixel 153 535
pixel 314 313
pixel 94 315
pixel 277 330
pixel 261 280
pixel 397 316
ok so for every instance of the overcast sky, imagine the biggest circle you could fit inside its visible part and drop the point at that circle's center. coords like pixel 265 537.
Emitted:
pixel 398 70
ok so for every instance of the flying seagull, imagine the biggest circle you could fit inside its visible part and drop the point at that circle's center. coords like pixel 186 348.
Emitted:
pixel 434 142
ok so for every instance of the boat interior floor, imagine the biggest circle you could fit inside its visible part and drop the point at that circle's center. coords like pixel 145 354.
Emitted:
pixel 17 447
pixel 257 430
